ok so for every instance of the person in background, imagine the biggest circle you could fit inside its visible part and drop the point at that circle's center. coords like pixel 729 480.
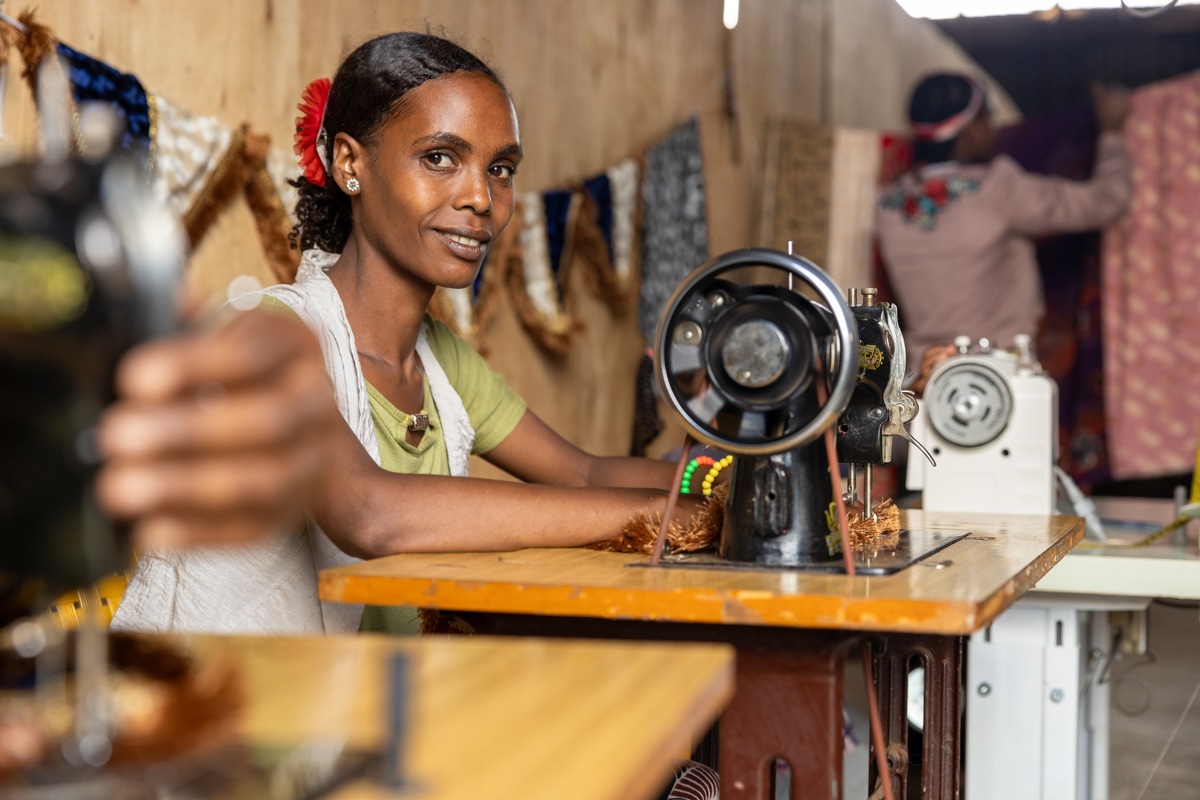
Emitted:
pixel 956 232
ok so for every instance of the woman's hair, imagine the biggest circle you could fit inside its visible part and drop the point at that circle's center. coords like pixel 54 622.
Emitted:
pixel 936 99
pixel 368 91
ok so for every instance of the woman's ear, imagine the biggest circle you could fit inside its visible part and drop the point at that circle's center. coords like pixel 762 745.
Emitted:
pixel 346 162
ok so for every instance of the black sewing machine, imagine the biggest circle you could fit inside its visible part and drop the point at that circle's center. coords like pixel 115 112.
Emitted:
pixel 88 268
pixel 760 365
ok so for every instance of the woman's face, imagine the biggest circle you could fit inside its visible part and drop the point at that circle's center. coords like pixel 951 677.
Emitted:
pixel 437 186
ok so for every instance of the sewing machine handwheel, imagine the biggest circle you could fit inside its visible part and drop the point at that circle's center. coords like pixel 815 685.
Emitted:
pixel 738 361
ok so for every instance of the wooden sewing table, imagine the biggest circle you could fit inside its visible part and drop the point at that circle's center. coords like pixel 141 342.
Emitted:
pixel 496 718
pixel 792 630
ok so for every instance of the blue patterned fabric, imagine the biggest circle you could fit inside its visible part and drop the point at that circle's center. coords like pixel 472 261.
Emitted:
pixel 95 81
pixel 600 190
pixel 557 207
pixel 675 219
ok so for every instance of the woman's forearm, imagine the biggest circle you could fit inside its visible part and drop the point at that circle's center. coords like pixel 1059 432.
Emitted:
pixel 394 513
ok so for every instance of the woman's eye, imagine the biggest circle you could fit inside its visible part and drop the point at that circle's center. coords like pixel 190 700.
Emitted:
pixel 504 172
pixel 441 160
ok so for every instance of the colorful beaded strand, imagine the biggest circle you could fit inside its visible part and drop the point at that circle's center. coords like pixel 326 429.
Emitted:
pixel 685 483
pixel 707 484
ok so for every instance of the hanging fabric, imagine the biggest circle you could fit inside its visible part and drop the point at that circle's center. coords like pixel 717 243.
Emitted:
pixel 674 213
pixel 1151 258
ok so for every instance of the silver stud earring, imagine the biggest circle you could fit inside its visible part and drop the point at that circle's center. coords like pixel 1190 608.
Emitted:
pixel 352 185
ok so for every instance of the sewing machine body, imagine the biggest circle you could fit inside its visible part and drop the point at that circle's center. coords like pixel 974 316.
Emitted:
pixel 1035 693
pixel 762 370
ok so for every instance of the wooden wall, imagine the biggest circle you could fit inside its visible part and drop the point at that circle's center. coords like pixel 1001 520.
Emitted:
pixel 593 82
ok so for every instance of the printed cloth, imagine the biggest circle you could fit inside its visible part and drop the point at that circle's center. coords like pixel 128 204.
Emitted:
pixel 1150 268
pixel 675 238
pixel 95 81
pixel 189 150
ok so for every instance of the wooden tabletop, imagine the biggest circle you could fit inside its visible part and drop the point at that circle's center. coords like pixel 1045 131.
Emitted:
pixel 956 591
pixel 495 718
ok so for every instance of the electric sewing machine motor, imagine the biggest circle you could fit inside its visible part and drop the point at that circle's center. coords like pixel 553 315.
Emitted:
pixel 990 417
pixel 762 370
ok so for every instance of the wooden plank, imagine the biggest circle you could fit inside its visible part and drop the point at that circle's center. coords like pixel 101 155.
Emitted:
pixel 499 718
pixel 957 591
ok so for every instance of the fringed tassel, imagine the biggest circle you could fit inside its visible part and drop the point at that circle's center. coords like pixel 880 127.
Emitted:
pixel 227 180
pixel 33 46
pixel 869 536
pixel 440 622
pixel 592 251
pixel 702 530
pixel 532 284
pixel 270 217
pixel 613 267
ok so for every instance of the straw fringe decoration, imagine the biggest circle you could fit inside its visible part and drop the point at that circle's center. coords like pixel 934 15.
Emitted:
pixel 538 295
pixel 702 530
pixel 271 219
pixel 213 164
pixel 199 165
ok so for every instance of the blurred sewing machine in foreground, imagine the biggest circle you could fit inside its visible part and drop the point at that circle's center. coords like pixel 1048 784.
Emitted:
pixel 89 267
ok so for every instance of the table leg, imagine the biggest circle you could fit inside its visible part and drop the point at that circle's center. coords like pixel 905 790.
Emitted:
pixel 942 659
pixel 787 706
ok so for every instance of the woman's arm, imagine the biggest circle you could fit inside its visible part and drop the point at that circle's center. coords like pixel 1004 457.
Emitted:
pixel 535 453
pixel 369 512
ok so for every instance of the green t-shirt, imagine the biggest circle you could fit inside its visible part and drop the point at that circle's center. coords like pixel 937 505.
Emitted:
pixel 491 404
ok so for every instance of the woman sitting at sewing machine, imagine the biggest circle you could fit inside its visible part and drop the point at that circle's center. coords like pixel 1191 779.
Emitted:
pixel 410 159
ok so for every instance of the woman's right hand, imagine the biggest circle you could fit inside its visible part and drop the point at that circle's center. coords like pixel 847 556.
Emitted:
pixel 1111 104
pixel 930 359
pixel 217 434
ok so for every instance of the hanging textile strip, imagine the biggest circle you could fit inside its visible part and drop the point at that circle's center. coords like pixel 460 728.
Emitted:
pixel 796 193
pixel 538 284
pixel 272 221
pixel 1150 294
pixel 189 148
pixel 675 236
pixel 611 213
pixel 92 80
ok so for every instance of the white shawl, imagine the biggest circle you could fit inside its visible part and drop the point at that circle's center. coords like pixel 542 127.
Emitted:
pixel 270 586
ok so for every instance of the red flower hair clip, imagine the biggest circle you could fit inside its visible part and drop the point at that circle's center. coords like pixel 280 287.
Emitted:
pixel 311 142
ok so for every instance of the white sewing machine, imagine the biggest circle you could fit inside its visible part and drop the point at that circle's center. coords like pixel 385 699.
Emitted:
pixel 1036 708
pixel 990 420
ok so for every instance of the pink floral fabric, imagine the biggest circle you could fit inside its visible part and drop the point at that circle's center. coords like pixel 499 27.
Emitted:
pixel 1151 289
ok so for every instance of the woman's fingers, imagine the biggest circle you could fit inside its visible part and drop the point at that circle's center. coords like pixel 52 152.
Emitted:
pixel 217 435
pixel 264 413
pixel 250 480
pixel 249 348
